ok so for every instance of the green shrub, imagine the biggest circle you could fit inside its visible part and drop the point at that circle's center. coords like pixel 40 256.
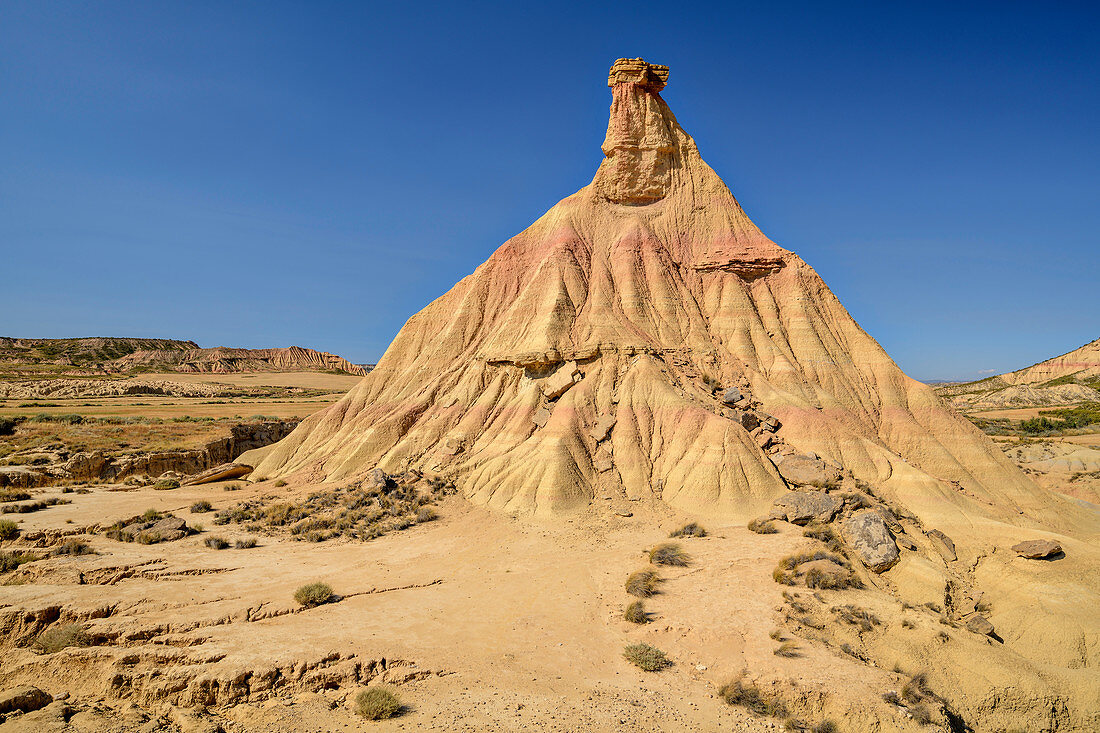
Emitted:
pixel 151 515
pixel 9 530
pixel 314 594
pixel 56 638
pixel 642 583
pixel 201 506
pixel 646 657
pixel 246 544
pixel 635 613
pixel 216 543
pixel 691 529
pixel 166 483
pixel 668 553
pixel 377 703
pixel 762 526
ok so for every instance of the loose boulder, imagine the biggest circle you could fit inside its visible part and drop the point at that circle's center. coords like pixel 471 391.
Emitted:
pixel 943 545
pixel 1037 549
pixel 871 540
pixel 732 396
pixel 801 470
pixel 800 507
pixel 224 472
pixel 979 624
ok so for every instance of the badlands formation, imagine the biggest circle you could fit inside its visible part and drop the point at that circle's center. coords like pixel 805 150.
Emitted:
pixel 1063 380
pixel 640 359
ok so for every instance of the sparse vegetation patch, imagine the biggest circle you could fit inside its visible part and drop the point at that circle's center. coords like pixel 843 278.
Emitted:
pixel 60 636
pixel 646 657
pixel 642 583
pixel 668 553
pixel 691 529
pixel 635 613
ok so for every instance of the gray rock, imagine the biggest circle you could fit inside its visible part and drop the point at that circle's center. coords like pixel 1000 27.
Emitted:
pixel 942 544
pixel 979 624
pixel 732 396
pixel 1037 549
pixel 808 471
pixel 23 699
pixel 800 507
pixel 870 539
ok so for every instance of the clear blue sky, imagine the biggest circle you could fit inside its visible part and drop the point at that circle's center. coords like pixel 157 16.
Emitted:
pixel 272 173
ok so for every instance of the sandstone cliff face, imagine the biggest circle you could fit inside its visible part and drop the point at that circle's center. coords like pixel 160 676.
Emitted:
pixel 640 285
pixel 223 360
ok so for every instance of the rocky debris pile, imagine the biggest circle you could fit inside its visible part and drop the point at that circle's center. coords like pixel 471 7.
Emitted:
pixel 148 529
pixel 24 699
pixel 1037 549
pixel 98 466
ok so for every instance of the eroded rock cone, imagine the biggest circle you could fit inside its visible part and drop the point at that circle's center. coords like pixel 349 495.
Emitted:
pixel 589 356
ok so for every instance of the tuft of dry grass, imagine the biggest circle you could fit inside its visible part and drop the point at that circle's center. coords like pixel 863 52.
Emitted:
pixel 12 560
pixel 786 649
pixel 749 696
pixel 855 616
pixel 216 543
pixel 635 613
pixel 646 657
pixel 59 636
pixel 762 526
pixel 314 594
pixel 245 544
pixel 691 529
pixel 201 506
pixel 669 553
pixel 73 547
pixel 642 583
pixel 377 703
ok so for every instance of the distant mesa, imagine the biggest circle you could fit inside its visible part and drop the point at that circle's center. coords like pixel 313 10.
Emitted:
pixel 82 356
pixel 1064 380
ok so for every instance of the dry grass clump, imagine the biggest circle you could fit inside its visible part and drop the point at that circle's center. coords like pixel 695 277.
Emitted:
pixel 314 594
pixel 73 547
pixel 13 495
pixel 642 583
pixel 749 696
pixel 825 726
pixel 201 506
pixel 762 526
pixel 9 530
pixel 377 703
pixel 646 657
pixel 280 484
pixel 917 689
pixel 826 534
pixel 57 637
pixel 11 560
pixel 849 614
pixel 635 613
pixel 245 544
pixel 216 543
pixel 786 573
pixel 34 506
pixel 669 553
pixel 777 634
pixel 921 714
pixel 786 649
pixel 356 511
pixel 691 529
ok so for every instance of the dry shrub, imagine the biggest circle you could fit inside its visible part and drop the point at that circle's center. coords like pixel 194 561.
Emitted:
pixel 245 544
pixel 280 484
pixel 425 514
pixel 786 649
pixel 201 506
pixel 849 614
pixel 73 547
pixel 646 657
pixel 669 553
pixel 377 703
pixel 635 613
pixel 9 530
pixel 691 529
pixel 749 696
pixel 762 526
pixel 823 533
pixel 12 560
pixel 642 583
pixel 314 594
pixel 825 726
pixel 57 637
pixel 216 543
pixel 917 689
pixel 166 483
pixel 13 495
pixel 921 714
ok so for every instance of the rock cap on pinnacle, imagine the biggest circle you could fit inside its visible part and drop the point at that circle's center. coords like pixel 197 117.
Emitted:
pixel 651 77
